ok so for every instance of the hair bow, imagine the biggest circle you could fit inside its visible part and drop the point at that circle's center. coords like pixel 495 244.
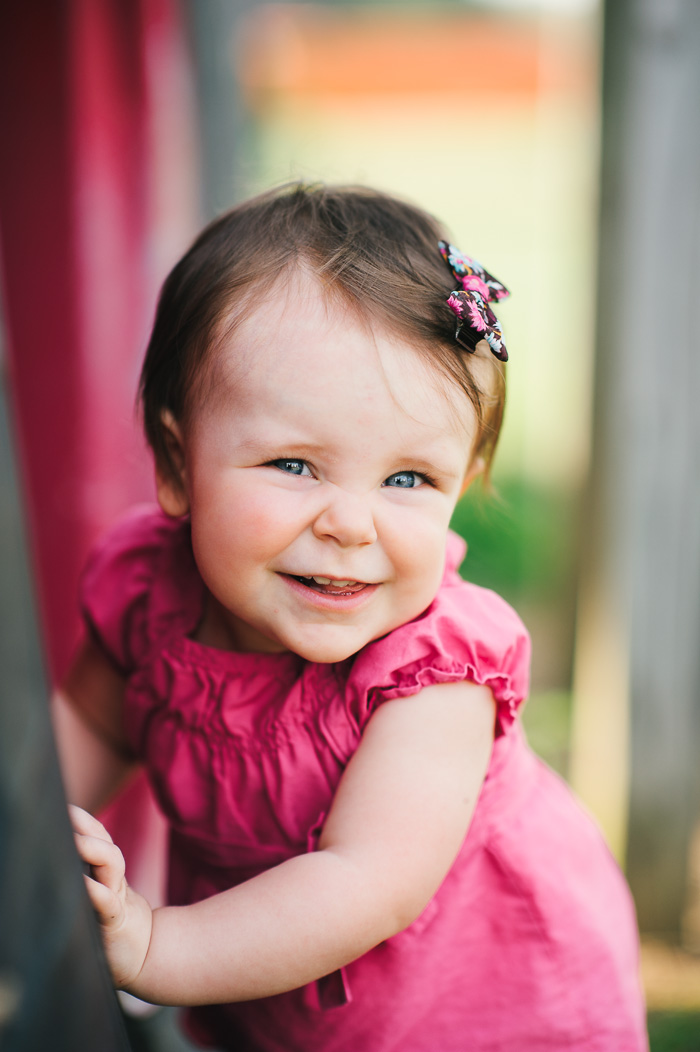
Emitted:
pixel 470 303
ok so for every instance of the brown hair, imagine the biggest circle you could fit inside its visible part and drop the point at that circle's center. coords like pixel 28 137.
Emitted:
pixel 378 253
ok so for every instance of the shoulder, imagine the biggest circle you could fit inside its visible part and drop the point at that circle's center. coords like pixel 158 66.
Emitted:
pixel 133 540
pixel 139 575
pixel 467 633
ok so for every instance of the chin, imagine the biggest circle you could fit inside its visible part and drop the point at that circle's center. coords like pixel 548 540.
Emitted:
pixel 325 652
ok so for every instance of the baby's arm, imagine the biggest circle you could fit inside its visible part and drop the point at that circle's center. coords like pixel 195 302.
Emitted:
pixel 87 719
pixel 397 822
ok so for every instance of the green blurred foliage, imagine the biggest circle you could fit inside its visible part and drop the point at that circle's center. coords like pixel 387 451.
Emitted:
pixel 521 539
pixel 674 1031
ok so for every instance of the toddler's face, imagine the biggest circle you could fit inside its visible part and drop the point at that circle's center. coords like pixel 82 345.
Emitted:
pixel 320 473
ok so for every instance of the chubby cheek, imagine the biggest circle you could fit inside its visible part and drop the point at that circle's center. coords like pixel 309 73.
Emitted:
pixel 419 560
pixel 235 525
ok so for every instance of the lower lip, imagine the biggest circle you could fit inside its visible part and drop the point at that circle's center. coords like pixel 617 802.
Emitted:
pixel 326 601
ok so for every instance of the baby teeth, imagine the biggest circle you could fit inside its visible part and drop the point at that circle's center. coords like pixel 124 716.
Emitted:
pixel 336 584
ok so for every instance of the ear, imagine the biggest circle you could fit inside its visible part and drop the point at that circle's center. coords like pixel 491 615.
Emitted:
pixel 475 469
pixel 171 484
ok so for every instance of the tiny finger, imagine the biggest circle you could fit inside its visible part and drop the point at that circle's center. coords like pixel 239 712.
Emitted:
pixel 104 858
pixel 105 903
pixel 83 822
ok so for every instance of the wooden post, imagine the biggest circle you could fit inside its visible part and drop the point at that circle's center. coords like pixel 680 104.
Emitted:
pixel 55 989
pixel 639 618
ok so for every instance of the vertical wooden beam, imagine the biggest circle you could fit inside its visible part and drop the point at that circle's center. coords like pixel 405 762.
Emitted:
pixel 55 989
pixel 640 591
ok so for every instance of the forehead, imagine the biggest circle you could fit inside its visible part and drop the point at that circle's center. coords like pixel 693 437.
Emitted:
pixel 299 336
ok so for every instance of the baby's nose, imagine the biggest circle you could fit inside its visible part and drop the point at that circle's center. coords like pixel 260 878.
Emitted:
pixel 347 518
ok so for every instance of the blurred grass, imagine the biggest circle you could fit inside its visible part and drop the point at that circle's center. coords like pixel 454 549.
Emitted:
pixel 674 1031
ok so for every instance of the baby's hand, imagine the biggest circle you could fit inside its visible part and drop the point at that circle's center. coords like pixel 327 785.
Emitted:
pixel 124 916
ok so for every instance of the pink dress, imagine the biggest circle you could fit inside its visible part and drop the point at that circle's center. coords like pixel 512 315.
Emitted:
pixel 529 944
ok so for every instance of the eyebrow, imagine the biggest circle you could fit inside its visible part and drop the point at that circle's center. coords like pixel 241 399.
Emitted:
pixel 300 449
pixel 432 467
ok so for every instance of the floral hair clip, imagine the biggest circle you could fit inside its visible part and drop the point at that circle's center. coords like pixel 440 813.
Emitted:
pixel 470 303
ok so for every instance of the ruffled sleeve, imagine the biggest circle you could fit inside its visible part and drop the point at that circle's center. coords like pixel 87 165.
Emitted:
pixel 133 587
pixel 467 633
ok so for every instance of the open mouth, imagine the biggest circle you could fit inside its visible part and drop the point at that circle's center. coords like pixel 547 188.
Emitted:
pixel 329 585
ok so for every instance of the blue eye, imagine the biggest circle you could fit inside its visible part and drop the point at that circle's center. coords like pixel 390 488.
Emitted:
pixel 405 480
pixel 291 467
